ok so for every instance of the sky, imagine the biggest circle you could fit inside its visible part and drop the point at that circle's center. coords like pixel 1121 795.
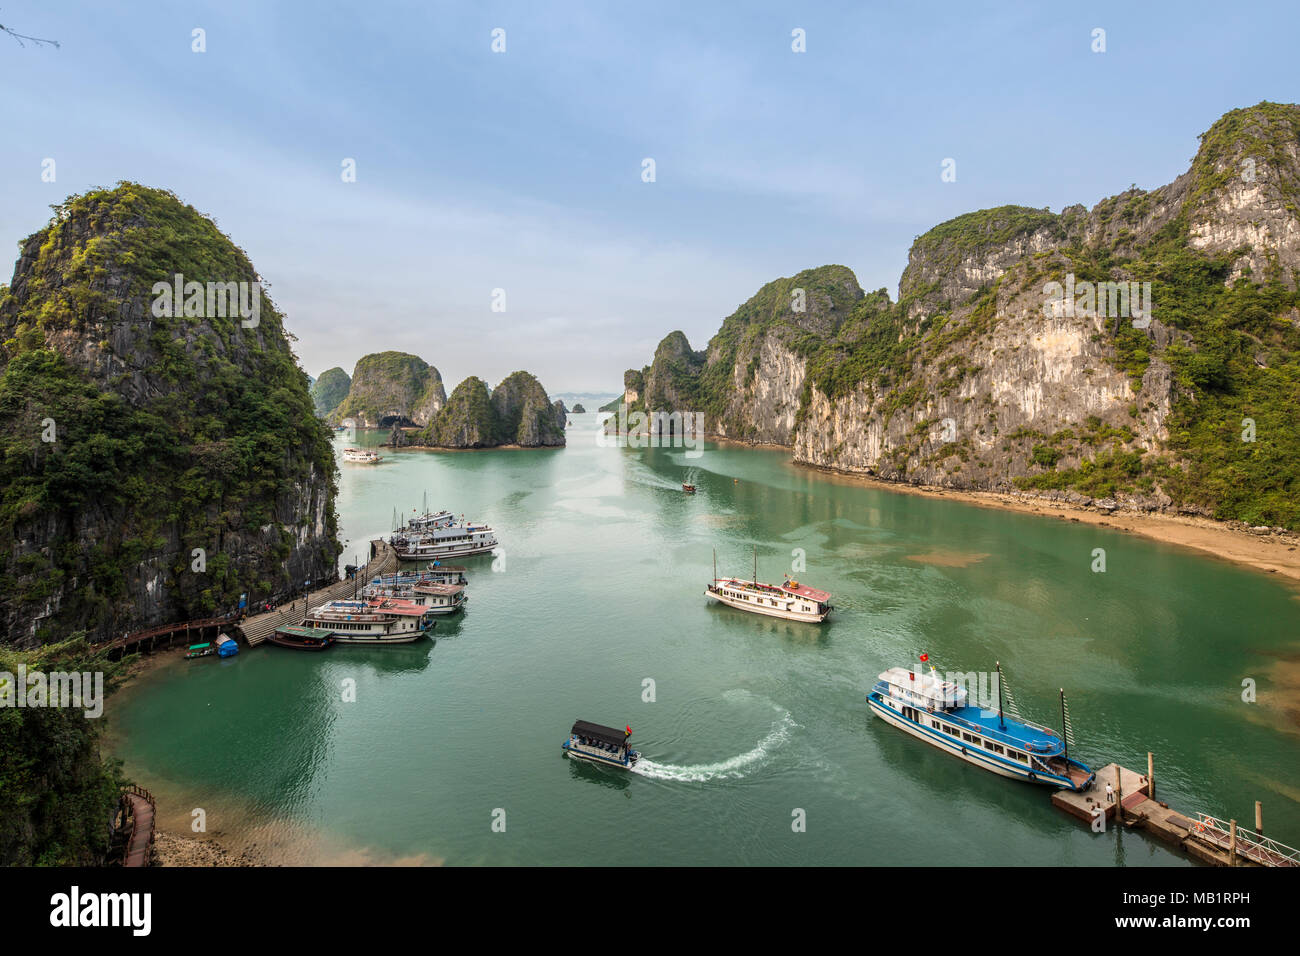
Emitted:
pixel 523 170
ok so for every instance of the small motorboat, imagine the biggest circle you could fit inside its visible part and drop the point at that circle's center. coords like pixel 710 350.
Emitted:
pixel 600 744
pixel 689 489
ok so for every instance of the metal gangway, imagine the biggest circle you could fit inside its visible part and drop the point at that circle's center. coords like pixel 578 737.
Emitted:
pixel 1250 845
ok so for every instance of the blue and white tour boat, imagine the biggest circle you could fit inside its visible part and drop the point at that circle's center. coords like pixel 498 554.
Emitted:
pixel 937 711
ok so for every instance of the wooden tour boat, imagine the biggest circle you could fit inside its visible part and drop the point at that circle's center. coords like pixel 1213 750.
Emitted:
pixel 301 638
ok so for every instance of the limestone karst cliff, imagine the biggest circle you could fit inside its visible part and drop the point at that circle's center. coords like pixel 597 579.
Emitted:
pixel 328 391
pixel 516 412
pixel 392 388
pixel 160 458
pixel 1018 355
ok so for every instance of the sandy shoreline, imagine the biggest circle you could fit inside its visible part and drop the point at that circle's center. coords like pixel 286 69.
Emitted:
pixel 1271 553
pixel 171 849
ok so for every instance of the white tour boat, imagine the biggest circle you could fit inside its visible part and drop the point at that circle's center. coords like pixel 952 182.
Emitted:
pixel 791 600
pixel 363 455
pixel 434 574
pixel 435 597
pixel 388 621
pixel 450 542
pixel 430 520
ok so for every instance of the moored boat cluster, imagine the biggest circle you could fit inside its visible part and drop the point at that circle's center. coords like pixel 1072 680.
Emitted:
pixel 401 606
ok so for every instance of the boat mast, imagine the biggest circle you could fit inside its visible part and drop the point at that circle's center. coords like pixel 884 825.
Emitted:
pixel 715 566
pixel 1001 722
pixel 1067 733
pixel 755 565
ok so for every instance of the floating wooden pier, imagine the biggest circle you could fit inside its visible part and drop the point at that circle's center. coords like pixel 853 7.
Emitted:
pixel 257 627
pixel 1199 835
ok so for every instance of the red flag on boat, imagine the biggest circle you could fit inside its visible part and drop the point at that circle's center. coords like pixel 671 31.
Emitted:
pixel 629 732
pixel 924 658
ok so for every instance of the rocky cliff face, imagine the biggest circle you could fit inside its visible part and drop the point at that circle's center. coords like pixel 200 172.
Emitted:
pixel 157 461
pixel 749 380
pixel 392 388
pixel 466 421
pixel 1018 354
pixel 516 412
pixel 328 391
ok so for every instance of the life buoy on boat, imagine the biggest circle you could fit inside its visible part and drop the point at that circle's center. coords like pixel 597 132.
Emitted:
pixel 1032 775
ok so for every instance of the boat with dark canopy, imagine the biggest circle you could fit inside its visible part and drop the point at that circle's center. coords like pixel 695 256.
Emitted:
pixel 600 744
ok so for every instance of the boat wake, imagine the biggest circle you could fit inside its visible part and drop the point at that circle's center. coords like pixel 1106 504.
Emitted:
pixel 731 768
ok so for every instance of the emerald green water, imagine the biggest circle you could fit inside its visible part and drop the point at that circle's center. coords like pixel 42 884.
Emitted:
pixel 601 588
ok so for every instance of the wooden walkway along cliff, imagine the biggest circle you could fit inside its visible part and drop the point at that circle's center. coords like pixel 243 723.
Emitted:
pixel 256 628
pixel 164 635
pixel 139 840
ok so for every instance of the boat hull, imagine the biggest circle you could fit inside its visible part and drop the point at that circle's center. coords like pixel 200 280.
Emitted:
pixel 406 637
pixel 577 754
pixel 973 755
pixel 456 551
pixel 299 645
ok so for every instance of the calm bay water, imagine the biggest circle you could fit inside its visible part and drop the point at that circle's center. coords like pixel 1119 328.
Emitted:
pixel 601 588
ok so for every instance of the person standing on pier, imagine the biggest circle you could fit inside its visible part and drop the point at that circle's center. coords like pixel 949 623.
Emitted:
pixel 1110 792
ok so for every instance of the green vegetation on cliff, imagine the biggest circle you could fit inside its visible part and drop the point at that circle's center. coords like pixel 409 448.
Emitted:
pixel 516 412
pixel 827 293
pixel 329 390
pixel 467 420
pixel 57 793
pixel 129 439
pixel 1218 248
pixel 388 386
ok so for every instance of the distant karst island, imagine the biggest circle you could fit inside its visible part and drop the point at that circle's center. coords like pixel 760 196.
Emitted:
pixel 401 391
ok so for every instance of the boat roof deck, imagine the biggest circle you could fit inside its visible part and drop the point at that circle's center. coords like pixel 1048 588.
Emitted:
pixel 399 607
pixel 609 735
pixel 1037 740
pixel 432 587
pixel 801 591
pixel 295 630
pixel 794 587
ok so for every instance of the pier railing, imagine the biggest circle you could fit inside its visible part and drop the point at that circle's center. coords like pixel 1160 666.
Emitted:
pixel 1251 845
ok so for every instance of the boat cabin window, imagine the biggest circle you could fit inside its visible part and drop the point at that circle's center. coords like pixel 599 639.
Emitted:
pixel 970 738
